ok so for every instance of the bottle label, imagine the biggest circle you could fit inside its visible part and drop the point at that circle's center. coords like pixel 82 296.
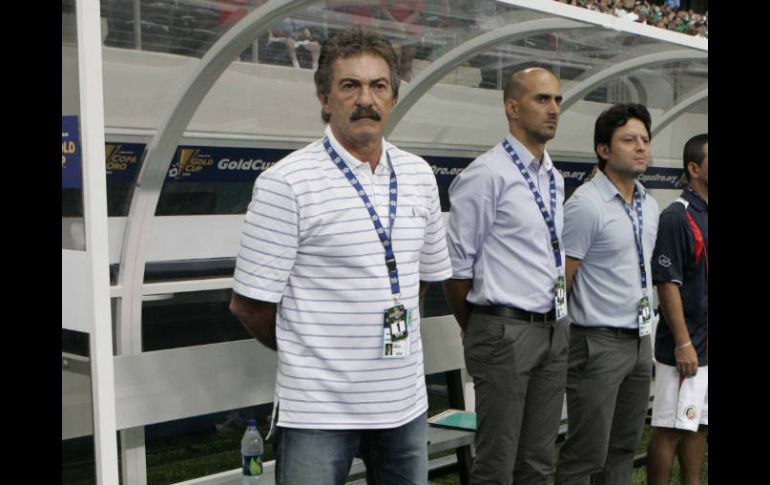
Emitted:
pixel 252 465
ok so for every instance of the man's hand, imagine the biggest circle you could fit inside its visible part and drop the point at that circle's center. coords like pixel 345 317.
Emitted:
pixel 686 360
pixel 258 317
pixel 455 292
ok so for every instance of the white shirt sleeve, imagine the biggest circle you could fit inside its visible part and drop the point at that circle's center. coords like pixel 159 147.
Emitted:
pixel 582 221
pixel 474 198
pixel 269 240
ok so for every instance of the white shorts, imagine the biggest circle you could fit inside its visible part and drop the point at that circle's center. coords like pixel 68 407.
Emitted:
pixel 680 406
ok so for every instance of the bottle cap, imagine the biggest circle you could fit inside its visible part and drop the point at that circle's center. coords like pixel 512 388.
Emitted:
pixel 251 423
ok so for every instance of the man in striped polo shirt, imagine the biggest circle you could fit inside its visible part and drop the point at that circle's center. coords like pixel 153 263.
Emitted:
pixel 339 242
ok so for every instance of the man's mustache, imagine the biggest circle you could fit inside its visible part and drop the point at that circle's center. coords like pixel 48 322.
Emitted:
pixel 365 112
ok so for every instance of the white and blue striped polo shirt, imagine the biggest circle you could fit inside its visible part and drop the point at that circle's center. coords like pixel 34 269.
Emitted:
pixel 309 245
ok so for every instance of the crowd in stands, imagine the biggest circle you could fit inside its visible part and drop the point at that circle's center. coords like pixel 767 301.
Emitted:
pixel 189 28
pixel 664 14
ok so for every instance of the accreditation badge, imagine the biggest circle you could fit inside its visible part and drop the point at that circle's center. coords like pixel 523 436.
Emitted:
pixel 395 333
pixel 560 297
pixel 645 316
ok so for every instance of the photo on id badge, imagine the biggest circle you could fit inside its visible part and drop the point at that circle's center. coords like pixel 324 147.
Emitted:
pixel 645 317
pixel 395 332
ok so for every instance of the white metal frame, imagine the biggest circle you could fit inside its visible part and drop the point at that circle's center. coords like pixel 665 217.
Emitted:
pixel 150 182
pixel 679 109
pixel 95 217
pixel 161 150
pixel 444 64
pixel 577 92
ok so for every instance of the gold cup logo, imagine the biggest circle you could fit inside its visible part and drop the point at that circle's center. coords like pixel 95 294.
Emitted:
pixel 185 156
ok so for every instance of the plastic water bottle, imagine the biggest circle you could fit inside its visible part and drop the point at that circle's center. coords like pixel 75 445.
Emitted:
pixel 251 454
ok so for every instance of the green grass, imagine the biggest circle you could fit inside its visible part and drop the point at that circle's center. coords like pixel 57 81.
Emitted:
pixel 188 456
pixel 639 476
pixel 185 457
pixel 171 460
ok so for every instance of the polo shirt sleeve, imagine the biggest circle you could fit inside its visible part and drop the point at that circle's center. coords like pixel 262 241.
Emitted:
pixel 582 222
pixel 434 258
pixel 269 240
pixel 671 248
pixel 473 197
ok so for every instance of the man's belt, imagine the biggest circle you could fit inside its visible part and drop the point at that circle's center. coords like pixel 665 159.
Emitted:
pixel 619 332
pixel 515 313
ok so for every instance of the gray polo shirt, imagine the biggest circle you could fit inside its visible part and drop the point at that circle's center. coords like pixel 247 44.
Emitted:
pixel 608 286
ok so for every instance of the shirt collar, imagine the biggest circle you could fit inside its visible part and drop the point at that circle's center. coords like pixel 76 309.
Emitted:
pixel 608 190
pixel 695 200
pixel 352 162
pixel 527 158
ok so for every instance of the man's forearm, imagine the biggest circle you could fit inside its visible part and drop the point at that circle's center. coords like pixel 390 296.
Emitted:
pixel 257 317
pixel 455 292
pixel 671 304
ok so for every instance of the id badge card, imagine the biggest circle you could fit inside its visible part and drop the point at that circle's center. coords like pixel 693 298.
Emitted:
pixel 560 297
pixel 645 317
pixel 395 333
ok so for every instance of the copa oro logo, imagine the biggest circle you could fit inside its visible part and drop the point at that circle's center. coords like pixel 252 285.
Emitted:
pixel 109 150
pixel 189 161
pixel 116 158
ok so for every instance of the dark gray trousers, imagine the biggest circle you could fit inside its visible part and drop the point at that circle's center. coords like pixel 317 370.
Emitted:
pixel 608 393
pixel 519 371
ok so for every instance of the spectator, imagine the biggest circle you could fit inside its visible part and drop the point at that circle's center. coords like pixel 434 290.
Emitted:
pixel 230 13
pixel 405 14
pixel 294 35
pixel 700 30
pixel 360 13
pixel 668 16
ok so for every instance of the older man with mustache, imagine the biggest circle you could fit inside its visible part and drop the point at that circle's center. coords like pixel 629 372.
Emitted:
pixel 340 240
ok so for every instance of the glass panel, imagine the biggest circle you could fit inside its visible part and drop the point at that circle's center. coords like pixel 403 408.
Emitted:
pixel 73 226
pixel 121 22
pixel 186 319
pixel 78 462
pixel 195 318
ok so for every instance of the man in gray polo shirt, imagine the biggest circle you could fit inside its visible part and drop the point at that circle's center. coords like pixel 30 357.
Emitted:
pixel 610 225
pixel 508 290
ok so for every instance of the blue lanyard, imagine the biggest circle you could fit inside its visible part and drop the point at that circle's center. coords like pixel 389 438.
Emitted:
pixel 637 234
pixel 390 257
pixel 549 221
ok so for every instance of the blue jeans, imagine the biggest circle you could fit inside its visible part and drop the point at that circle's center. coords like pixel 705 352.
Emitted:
pixel 397 456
